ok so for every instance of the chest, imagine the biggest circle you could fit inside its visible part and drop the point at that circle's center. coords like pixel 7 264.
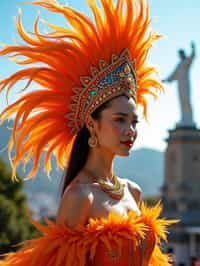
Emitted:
pixel 103 204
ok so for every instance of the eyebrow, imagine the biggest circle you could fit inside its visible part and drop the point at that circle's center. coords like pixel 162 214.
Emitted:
pixel 126 114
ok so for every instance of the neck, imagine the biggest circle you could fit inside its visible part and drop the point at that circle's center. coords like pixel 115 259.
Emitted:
pixel 100 163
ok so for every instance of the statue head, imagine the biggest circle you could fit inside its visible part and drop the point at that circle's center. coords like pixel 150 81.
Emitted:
pixel 181 53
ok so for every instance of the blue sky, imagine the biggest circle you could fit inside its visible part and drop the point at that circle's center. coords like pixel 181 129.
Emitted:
pixel 178 20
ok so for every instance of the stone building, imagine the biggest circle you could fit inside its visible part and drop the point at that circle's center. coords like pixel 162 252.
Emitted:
pixel 181 188
pixel 181 192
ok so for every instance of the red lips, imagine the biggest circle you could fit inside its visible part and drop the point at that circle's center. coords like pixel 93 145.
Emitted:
pixel 128 143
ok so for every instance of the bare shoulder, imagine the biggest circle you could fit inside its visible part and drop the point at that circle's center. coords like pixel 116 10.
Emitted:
pixel 75 206
pixel 134 189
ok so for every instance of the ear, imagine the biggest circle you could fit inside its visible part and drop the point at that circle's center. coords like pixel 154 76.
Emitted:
pixel 90 123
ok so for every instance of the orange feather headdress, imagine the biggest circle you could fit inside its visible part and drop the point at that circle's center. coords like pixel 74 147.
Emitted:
pixel 75 62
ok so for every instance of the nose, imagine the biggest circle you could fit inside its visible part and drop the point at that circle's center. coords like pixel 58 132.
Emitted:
pixel 131 132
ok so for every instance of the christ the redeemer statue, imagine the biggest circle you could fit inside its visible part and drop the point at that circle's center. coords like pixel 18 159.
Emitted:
pixel 181 74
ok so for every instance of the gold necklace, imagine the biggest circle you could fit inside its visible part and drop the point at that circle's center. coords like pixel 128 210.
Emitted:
pixel 116 191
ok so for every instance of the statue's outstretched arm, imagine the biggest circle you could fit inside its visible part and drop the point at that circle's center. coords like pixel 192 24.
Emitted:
pixel 172 76
pixel 190 58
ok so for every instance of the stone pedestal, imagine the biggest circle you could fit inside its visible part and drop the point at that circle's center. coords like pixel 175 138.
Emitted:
pixel 181 191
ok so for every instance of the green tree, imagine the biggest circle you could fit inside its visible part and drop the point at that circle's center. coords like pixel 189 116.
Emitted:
pixel 14 223
pixel 151 200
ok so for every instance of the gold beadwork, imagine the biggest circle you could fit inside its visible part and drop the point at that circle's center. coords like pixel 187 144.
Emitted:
pixel 127 69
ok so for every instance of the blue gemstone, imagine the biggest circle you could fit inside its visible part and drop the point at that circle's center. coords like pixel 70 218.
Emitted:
pixel 115 78
pixel 108 79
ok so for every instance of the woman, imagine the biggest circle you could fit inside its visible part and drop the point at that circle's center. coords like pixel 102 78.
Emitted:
pixel 92 78
pixel 118 118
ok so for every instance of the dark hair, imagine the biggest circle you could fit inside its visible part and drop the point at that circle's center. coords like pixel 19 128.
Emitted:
pixel 80 149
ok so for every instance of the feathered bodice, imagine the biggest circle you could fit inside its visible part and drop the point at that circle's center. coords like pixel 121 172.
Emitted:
pixel 130 241
pixel 116 240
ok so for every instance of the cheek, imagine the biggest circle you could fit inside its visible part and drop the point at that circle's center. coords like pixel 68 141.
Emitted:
pixel 115 129
pixel 110 131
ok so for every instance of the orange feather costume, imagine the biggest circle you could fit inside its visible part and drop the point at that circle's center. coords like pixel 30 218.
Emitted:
pixel 75 62
pixel 112 241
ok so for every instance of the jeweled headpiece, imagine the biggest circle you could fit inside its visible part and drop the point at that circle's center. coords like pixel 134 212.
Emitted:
pixel 108 81
pixel 82 67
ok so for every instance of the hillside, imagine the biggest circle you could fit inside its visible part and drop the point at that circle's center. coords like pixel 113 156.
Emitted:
pixel 144 166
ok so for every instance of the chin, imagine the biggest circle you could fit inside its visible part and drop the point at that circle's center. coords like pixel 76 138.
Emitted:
pixel 124 153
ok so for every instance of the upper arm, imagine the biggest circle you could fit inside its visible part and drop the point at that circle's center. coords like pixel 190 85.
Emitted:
pixel 173 76
pixel 135 191
pixel 74 208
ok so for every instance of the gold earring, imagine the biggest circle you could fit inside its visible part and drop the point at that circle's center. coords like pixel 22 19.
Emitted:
pixel 92 141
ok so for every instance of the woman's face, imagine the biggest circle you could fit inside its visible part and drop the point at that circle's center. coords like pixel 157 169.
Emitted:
pixel 117 125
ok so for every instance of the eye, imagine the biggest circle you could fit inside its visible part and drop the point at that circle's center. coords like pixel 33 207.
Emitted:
pixel 134 123
pixel 120 119
pixel 123 120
